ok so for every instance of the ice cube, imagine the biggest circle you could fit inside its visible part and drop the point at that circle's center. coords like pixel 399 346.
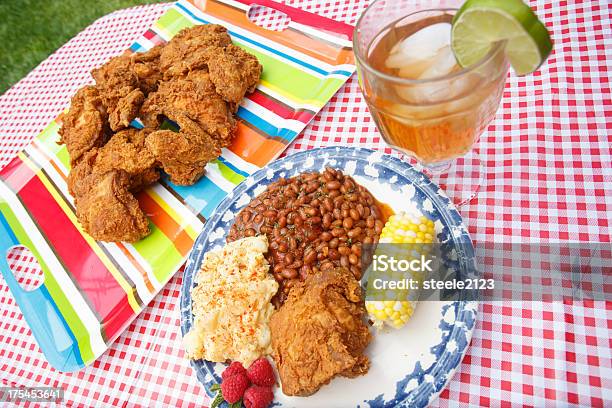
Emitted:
pixel 443 64
pixel 422 45
pixel 414 69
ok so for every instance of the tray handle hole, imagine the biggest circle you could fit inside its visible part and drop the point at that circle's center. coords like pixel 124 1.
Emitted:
pixel 25 267
pixel 268 18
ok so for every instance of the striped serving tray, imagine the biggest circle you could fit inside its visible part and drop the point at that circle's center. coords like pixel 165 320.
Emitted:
pixel 92 290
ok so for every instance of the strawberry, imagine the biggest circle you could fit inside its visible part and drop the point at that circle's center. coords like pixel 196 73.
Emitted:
pixel 235 368
pixel 232 388
pixel 261 373
pixel 258 397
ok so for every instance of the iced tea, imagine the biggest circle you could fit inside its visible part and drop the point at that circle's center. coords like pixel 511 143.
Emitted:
pixel 423 102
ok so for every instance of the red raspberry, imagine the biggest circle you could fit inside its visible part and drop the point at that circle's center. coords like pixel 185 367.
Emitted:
pixel 232 388
pixel 258 397
pixel 235 368
pixel 261 373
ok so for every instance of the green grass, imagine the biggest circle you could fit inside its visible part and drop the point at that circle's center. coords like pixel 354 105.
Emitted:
pixel 30 30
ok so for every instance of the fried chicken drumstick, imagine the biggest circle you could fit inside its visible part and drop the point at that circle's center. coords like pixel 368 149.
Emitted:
pixel 196 80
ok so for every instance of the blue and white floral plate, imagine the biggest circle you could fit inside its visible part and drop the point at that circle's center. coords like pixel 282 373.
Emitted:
pixel 410 366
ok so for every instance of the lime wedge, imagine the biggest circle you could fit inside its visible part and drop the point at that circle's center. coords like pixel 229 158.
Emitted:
pixel 479 24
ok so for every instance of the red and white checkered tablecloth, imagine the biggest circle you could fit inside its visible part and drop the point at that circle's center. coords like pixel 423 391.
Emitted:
pixel 549 178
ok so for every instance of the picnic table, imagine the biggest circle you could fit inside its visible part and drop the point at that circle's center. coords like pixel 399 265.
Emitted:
pixel 548 178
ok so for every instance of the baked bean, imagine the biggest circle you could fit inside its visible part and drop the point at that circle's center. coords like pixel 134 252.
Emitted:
pixel 336 232
pixel 354 214
pixel 370 221
pixel 328 204
pixel 378 226
pixel 334 255
pixel 311 211
pixel 289 258
pixel 344 250
pixel 333 185
pixel 338 214
pixel 271 214
pixel 289 273
pixel 360 209
pixel 292 244
pixel 334 243
pixel 347 223
pixel 314 220
pixel 327 220
pixel 310 256
pixel 353 259
pixel 326 236
pixel 334 194
pixel 258 219
pixel 354 233
pixel 250 232
pixel 298 220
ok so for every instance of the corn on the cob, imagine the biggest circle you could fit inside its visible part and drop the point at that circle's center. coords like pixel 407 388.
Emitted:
pixel 401 228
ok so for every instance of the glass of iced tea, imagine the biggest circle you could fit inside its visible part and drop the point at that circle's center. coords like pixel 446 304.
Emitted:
pixel 422 101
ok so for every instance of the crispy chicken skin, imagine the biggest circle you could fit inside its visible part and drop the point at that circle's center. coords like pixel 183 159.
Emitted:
pixel 123 83
pixel 193 96
pixel 233 71
pixel 84 126
pixel 320 332
pixel 126 110
pixel 186 51
pixel 183 155
pixel 104 205
pixel 126 151
pixel 146 67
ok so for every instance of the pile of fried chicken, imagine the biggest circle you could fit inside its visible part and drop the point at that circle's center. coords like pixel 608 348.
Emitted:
pixel 196 80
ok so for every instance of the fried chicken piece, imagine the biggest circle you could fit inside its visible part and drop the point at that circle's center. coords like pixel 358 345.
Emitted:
pixel 185 51
pixel 84 126
pixel 146 67
pixel 126 151
pixel 124 81
pixel 126 110
pixel 116 80
pixel 183 155
pixel 320 332
pixel 102 184
pixel 193 96
pixel 104 205
pixel 233 71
